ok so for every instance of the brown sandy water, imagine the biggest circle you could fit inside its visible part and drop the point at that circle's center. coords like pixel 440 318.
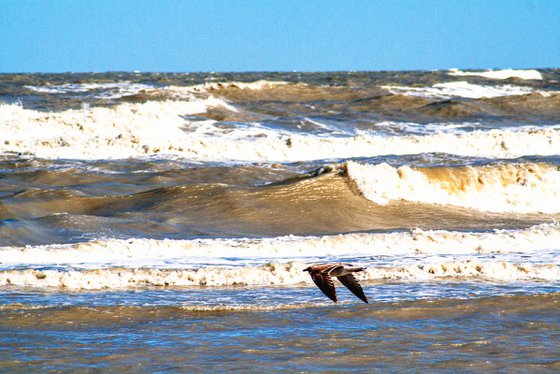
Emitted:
pixel 512 333
pixel 259 200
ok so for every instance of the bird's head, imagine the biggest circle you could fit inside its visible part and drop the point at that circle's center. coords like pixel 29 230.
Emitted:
pixel 307 269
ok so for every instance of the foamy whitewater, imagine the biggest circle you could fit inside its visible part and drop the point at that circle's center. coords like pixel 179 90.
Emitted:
pixel 136 130
pixel 499 74
pixel 522 188
pixel 461 89
pixel 117 263
pixel 183 208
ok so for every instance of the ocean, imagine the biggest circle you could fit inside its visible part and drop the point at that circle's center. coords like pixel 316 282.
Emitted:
pixel 155 222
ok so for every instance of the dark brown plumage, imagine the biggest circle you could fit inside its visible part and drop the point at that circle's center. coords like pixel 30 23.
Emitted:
pixel 322 276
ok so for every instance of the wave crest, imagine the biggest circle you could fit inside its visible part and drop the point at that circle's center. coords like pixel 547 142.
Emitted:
pixel 135 253
pixel 520 188
pixel 499 74
pixel 280 274
pixel 163 128
pixel 460 89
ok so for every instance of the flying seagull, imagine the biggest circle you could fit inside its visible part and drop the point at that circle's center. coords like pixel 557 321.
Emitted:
pixel 321 275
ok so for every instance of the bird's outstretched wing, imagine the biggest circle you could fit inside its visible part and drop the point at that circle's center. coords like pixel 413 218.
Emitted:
pixel 325 284
pixel 332 268
pixel 352 284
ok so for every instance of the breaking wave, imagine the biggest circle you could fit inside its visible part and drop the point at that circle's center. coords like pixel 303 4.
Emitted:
pixel 499 74
pixel 280 274
pixel 113 90
pixel 165 128
pixel 121 89
pixel 229 252
pixel 460 89
pixel 520 188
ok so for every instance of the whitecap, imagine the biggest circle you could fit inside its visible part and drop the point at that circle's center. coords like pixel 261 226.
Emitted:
pixel 459 89
pixel 519 188
pixel 499 74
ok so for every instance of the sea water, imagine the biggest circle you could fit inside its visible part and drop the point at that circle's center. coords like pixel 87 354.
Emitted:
pixel 157 221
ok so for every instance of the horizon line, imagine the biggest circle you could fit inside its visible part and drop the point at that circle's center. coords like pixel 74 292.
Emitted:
pixel 137 71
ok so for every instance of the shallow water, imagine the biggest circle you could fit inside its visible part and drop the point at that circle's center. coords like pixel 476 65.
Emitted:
pixel 448 334
pixel 155 222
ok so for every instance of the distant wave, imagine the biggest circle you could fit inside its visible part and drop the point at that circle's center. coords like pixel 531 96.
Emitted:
pixel 113 90
pixel 117 90
pixel 520 188
pixel 460 89
pixel 166 128
pixel 499 74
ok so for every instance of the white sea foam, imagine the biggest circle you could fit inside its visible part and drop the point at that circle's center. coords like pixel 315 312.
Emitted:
pixel 127 130
pixel 501 271
pixel 164 128
pixel 283 274
pixel 212 86
pixel 499 74
pixel 236 252
pixel 521 188
pixel 116 90
pixel 113 263
pixel 112 90
pixel 459 89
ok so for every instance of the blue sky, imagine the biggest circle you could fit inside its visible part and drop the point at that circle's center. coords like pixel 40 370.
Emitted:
pixel 265 35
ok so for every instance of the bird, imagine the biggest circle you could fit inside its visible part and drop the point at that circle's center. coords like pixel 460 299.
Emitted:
pixel 321 275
